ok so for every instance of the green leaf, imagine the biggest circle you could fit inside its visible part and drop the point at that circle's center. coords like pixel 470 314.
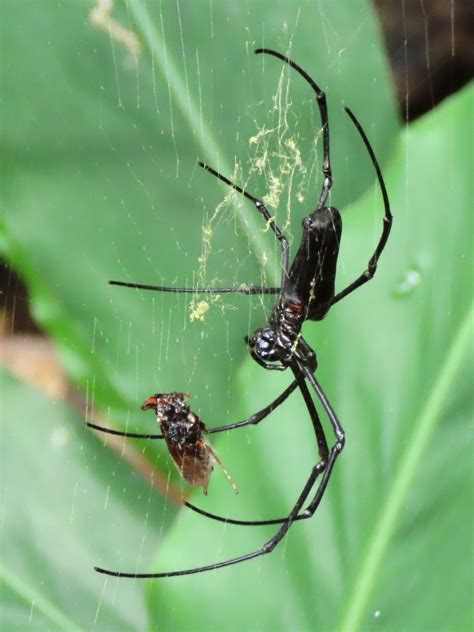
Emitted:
pixel 99 181
pixel 391 545
pixel 99 176
pixel 66 502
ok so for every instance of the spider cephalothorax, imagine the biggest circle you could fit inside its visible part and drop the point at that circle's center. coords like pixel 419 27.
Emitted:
pixel 279 344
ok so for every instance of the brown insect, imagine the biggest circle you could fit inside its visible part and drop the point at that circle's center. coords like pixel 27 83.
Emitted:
pixel 183 432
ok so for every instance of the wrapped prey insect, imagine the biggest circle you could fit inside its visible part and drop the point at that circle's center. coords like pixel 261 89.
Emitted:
pixel 183 432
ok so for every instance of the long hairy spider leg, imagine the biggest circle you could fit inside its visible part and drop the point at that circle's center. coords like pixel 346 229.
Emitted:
pixel 323 450
pixel 323 111
pixel 265 549
pixel 335 423
pixel 241 289
pixel 338 431
pixel 262 209
pixel 336 448
pixel 119 433
pixel 254 419
pixel 387 219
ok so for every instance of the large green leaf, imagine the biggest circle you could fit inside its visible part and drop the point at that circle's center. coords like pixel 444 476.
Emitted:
pixel 59 489
pixel 391 546
pixel 99 173
pixel 98 182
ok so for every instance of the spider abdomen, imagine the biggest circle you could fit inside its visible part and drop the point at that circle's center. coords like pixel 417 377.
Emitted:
pixel 312 275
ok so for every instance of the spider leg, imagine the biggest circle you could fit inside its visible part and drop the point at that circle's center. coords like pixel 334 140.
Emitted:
pixel 334 421
pixel 269 366
pixel 241 289
pixel 323 111
pixel 120 433
pixel 266 548
pixel 304 515
pixel 262 209
pixel 266 365
pixel 254 419
pixel 387 220
pixel 323 451
pixel 326 456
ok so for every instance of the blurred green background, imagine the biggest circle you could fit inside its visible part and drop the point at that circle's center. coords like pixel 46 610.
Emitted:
pixel 103 118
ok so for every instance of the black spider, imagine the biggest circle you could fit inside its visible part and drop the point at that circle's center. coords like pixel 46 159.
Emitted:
pixel 306 293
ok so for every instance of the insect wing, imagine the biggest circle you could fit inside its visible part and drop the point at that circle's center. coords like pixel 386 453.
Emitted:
pixel 193 460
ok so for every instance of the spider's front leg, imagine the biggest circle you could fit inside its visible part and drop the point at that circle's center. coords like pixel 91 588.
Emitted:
pixel 242 289
pixel 369 273
pixel 262 209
